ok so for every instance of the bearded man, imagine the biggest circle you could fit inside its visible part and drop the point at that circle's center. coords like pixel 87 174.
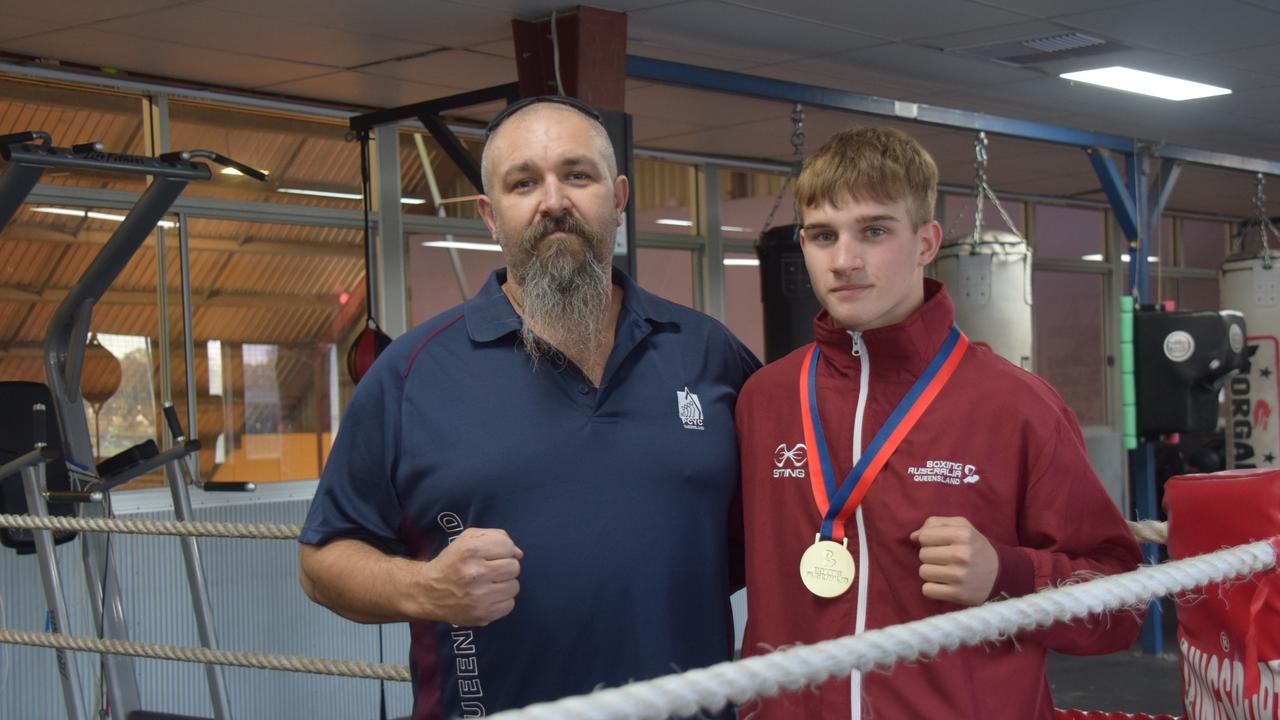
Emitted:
pixel 540 481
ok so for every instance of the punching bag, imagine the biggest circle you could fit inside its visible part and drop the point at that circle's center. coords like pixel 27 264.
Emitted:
pixel 1251 285
pixel 789 303
pixel 989 279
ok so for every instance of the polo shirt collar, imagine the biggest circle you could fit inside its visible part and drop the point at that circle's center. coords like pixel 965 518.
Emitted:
pixel 489 314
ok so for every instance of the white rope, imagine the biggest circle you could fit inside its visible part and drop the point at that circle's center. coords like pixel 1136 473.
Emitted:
pixel 254 531
pixel 1150 531
pixel 207 656
pixel 714 687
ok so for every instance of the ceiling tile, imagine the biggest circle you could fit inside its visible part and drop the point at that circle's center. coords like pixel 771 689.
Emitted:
pixel 736 60
pixel 261 36
pixel 540 9
pixel 898 20
pixel 160 58
pixel 15 27
pixel 453 68
pixel 828 73
pixel 1186 27
pixel 929 65
pixel 646 130
pixel 430 22
pixel 1053 8
pixel 76 12
pixel 1015 32
pixel 1261 58
pixel 503 48
pixel 732 31
pixel 359 89
pixel 705 109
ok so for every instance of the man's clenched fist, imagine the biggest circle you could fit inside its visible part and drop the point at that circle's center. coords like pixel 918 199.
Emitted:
pixel 472 582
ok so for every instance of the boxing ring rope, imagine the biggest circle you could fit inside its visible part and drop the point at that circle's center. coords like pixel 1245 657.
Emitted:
pixel 1145 531
pixel 714 687
pixel 205 656
pixel 252 531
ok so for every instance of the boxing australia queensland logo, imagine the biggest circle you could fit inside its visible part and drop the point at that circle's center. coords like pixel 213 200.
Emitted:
pixel 790 460
pixel 690 409
pixel 945 472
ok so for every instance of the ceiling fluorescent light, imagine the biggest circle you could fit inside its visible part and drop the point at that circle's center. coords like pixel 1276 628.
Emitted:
pixel 95 215
pixel 1144 83
pixel 231 171
pixel 674 221
pixel 742 262
pixel 1096 257
pixel 462 245
pixel 343 195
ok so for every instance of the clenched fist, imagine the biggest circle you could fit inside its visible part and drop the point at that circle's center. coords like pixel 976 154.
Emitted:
pixel 957 563
pixel 472 582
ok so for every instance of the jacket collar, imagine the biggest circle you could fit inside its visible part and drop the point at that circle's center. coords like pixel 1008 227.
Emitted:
pixel 899 352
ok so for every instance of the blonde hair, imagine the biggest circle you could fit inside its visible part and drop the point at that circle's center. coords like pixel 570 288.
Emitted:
pixel 881 164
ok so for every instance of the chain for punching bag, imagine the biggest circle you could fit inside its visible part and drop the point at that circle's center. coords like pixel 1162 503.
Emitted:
pixel 371 341
pixel 797 161
pixel 1264 222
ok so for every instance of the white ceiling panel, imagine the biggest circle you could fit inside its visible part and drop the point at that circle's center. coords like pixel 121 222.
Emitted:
pixel 845 76
pixel 934 66
pixel 701 108
pixel 707 26
pixel 898 20
pixel 647 130
pixel 505 47
pixel 540 9
pixel 1262 58
pixel 1053 8
pixel 12 26
pixel 431 22
pixel 164 59
pixel 1188 27
pixel 292 40
pixel 355 88
pixel 663 50
pixel 452 68
pixel 1015 32
pixel 66 13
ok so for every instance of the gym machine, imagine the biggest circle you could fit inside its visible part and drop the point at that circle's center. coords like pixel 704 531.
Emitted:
pixel 63 448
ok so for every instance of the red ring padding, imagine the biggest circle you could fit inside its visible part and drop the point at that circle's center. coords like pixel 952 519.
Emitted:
pixel 1101 715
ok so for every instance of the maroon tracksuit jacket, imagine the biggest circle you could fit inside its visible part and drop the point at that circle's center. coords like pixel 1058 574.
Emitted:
pixel 997 446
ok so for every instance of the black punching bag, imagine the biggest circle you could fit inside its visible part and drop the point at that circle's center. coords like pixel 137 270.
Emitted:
pixel 789 304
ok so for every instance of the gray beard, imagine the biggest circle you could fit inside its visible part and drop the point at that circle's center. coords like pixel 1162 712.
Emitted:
pixel 569 303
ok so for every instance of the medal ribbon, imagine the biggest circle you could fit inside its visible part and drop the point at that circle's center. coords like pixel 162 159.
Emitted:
pixel 836 503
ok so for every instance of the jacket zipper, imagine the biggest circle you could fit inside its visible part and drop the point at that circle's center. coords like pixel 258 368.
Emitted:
pixel 859 350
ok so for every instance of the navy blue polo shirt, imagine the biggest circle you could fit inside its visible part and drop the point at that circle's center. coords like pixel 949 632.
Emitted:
pixel 619 496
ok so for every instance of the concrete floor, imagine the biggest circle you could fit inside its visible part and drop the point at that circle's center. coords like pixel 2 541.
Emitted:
pixel 1121 682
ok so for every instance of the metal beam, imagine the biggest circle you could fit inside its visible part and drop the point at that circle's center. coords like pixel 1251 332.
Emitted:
pixel 9 293
pixel 454 149
pixel 1113 185
pixel 369 121
pixel 675 73
pixel 31 232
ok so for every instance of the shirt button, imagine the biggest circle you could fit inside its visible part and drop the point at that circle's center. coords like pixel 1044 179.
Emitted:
pixel 584 389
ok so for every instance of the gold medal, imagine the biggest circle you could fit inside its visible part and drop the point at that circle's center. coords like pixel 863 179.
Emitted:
pixel 827 568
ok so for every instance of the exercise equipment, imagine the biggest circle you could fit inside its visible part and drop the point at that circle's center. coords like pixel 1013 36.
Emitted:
pixel 1183 359
pixel 988 275
pixel 1250 283
pixel 785 290
pixel 89 483
pixel 371 340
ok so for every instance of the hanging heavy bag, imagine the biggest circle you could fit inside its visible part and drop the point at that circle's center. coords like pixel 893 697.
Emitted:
pixel 371 341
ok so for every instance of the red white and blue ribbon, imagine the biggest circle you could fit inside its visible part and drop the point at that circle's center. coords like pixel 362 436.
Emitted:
pixel 837 502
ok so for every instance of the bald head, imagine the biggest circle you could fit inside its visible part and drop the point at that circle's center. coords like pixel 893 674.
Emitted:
pixel 530 125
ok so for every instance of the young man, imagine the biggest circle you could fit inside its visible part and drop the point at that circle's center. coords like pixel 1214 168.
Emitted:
pixel 971 478
pixel 539 481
